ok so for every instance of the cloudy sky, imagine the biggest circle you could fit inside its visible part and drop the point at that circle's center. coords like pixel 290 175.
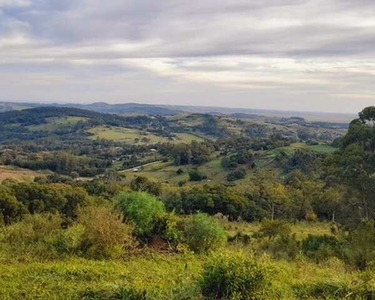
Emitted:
pixel 316 55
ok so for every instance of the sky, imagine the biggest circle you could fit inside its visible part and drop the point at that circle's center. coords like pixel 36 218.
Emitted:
pixel 300 55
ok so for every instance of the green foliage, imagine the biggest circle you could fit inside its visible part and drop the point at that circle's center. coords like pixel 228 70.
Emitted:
pixel 104 235
pixel 10 208
pixel 240 237
pixel 202 233
pixel 130 293
pixel 143 210
pixel 285 246
pixel 196 176
pixel 234 276
pixel 322 290
pixel 211 200
pixel 235 175
pixel 360 248
pixel 35 234
pixel 274 228
pixel 143 184
pixel 98 233
pixel 321 247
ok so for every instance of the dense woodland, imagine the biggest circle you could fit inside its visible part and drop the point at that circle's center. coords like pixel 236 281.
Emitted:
pixel 136 207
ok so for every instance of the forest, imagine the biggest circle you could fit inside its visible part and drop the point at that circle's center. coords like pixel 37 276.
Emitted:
pixel 185 206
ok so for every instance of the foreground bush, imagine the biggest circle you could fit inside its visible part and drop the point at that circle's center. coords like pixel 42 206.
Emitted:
pixel 202 233
pixel 234 276
pixel 143 210
pixel 34 235
pixel 98 233
pixel 105 235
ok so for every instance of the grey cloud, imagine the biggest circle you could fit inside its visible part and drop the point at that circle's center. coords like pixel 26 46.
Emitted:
pixel 289 49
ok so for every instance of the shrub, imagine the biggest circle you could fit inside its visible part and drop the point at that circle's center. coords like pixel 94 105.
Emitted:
pixel 34 235
pixel 167 227
pixel 240 237
pixel 143 210
pixel 34 228
pixel 105 234
pixel 69 240
pixel 235 175
pixel 143 184
pixel 196 176
pixel 320 247
pixel 273 228
pixel 360 248
pixel 283 247
pixel 203 233
pixel 234 276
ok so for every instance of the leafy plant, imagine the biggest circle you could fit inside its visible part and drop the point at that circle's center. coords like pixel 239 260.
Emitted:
pixel 234 276
pixel 203 233
pixel 141 209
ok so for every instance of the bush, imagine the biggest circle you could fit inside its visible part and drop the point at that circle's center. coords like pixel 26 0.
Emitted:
pixel 70 240
pixel 235 175
pixel 143 184
pixel 320 247
pixel 34 235
pixel 234 276
pixel 167 227
pixel 143 210
pixel 196 176
pixel 283 247
pixel 240 237
pixel 271 229
pixel 202 233
pixel 360 248
pixel 105 234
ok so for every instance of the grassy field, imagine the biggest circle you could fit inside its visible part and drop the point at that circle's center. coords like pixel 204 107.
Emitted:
pixel 19 174
pixel 167 172
pixel 130 135
pixel 162 276
pixel 54 124
pixel 322 148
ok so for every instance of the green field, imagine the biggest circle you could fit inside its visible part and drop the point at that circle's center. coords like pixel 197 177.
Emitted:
pixel 54 124
pixel 161 276
pixel 134 136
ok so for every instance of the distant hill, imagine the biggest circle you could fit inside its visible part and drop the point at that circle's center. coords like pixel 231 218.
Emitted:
pixel 102 107
pixel 165 110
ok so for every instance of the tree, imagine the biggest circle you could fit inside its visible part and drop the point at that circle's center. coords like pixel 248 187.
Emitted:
pixel 10 208
pixel 143 184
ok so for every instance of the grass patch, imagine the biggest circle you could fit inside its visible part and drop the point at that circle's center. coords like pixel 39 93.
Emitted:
pixel 54 124
pixel 19 174
pixel 135 136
